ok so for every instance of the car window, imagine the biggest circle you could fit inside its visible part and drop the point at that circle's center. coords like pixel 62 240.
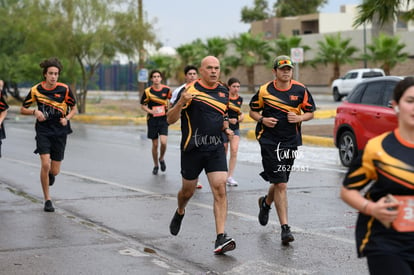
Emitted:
pixel 374 94
pixel 356 94
pixel 389 89
pixel 371 74
pixel 353 75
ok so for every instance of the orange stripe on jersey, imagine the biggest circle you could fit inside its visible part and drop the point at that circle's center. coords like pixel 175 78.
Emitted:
pixel 190 131
pixel 367 235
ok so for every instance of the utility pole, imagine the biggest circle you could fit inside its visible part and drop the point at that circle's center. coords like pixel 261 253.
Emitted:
pixel 141 50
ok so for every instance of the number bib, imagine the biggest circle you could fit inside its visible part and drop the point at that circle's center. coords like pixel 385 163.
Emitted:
pixel 159 110
pixel 405 219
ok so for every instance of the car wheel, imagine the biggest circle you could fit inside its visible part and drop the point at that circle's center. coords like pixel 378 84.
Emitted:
pixel 347 148
pixel 336 95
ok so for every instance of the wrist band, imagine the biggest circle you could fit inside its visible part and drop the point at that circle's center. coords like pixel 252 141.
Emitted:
pixel 34 111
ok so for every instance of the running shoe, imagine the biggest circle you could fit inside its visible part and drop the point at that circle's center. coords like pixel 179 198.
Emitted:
pixel 231 181
pixel 199 185
pixel 176 223
pixel 264 211
pixel 49 206
pixel 224 244
pixel 287 236
pixel 163 166
pixel 51 179
pixel 155 170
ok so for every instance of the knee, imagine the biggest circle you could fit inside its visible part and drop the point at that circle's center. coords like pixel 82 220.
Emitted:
pixel 281 187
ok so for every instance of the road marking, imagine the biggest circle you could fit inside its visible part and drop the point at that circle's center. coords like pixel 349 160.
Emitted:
pixel 174 198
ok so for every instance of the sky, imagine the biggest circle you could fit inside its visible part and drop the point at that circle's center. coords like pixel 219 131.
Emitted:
pixel 180 22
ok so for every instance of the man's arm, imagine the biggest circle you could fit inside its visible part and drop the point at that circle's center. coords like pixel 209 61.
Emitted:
pixel 174 113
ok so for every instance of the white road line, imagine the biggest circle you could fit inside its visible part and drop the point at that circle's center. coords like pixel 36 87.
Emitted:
pixel 173 198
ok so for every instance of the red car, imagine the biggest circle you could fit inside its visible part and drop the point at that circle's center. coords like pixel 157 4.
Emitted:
pixel 364 114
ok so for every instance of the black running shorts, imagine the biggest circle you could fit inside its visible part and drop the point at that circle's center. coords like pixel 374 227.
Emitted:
pixel 157 126
pixel 193 162
pixel 277 163
pixel 53 145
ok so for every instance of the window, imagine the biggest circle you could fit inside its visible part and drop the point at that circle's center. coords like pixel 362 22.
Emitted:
pixel 371 74
pixel 374 94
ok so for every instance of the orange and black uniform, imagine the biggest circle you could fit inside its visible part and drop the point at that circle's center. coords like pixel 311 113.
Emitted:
pixel 387 167
pixel 55 104
pixel 157 125
pixel 202 118
pixel 3 107
pixel 202 121
pixel 235 110
pixel 278 144
pixel 276 103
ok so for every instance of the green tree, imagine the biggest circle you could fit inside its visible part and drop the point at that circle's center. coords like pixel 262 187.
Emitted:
pixel 166 64
pixel 386 50
pixel 284 44
pixel 257 13
pixel 284 8
pixel 336 51
pixel 251 50
pixel 382 11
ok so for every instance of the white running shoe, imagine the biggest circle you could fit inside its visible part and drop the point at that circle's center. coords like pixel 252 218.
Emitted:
pixel 199 185
pixel 231 182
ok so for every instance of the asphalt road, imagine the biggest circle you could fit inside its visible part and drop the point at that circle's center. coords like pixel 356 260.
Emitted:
pixel 112 214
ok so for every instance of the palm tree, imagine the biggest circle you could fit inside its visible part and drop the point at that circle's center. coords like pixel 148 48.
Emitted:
pixel 166 64
pixel 387 51
pixel 284 44
pixel 336 51
pixel 251 50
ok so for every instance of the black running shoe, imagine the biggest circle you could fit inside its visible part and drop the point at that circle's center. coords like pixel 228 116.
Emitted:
pixel 176 223
pixel 155 170
pixel 224 244
pixel 51 179
pixel 264 211
pixel 163 166
pixel 287 236
pixel 49 206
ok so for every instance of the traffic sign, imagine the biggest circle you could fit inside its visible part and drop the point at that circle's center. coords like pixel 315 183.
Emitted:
pixel 296 54
pixel 143 75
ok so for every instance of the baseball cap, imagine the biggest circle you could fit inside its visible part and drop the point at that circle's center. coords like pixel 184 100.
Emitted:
pixel 282 61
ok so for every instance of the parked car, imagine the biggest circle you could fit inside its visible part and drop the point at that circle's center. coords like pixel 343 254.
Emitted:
pixel 364 114
pixel 344 85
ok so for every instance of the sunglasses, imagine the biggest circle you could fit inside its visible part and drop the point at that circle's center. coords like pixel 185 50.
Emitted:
pixel 284 62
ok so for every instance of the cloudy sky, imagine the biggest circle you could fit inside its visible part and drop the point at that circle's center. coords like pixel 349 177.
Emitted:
pixel 183 21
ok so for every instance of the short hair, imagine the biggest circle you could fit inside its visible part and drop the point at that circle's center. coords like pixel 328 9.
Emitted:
pixel 232 80
pixel 155 71
pixel 51 62
pixel 189 68
pixel 401 87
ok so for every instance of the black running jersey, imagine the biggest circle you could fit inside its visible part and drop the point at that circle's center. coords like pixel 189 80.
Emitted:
pixel 276 103
pixel 386 167
pixel 54 104
pixel 235 110
pixel 3 107
pixel 154 98
pixel 202 118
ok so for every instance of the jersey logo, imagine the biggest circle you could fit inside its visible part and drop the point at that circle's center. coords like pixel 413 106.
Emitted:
pixel 293 97
pixel 220 94
pixel 57 95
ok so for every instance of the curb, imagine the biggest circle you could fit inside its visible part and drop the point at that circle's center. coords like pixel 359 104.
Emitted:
pixel 249 134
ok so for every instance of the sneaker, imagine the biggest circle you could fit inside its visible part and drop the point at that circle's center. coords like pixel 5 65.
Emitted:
pixel 49 206
pixel 224 244
pixel 51 179
pixel 155 170
pixel 264 211
pixel 231 182
pixel 163 167
pixel 287 236
pixel 176 223
pixel 199 186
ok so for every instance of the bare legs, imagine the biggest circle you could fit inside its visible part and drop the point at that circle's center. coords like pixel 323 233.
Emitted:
pixel 47 166
pixel 278 194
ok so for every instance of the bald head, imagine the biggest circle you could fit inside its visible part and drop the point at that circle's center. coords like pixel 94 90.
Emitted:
pixel 210 70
